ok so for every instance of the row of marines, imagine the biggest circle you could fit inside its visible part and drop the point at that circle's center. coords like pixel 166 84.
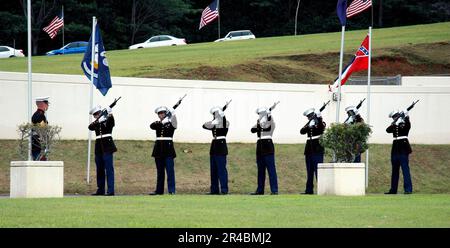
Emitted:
pixel 164 152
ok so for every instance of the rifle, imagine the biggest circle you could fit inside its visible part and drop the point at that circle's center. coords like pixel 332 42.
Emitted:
pixel 226 105
pixel 402 114
pixel 321 109
pixel 274 105
pixel 357 107
pixel 179 102
pixel 412 105
pixel 105 112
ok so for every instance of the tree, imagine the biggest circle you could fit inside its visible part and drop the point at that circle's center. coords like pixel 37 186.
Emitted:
pixel 40 13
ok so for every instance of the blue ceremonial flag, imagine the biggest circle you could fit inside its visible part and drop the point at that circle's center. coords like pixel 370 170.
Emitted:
pixel 102 78
pixel 341 10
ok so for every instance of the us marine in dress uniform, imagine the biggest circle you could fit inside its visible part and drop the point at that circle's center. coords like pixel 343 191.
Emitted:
pixel 39 118
pixel 218 151
pixel 265 150
pixel 400 151
pixel 163 151
pixel 313 149
pixel 104 148
pixel 353 118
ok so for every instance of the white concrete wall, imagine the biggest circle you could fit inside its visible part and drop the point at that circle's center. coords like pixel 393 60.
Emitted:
pixel 135 111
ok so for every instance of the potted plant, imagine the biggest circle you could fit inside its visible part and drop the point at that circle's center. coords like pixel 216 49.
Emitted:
pixel 40 178
pixel 343 177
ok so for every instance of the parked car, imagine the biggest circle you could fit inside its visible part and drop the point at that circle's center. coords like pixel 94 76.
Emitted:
pixel 159 41
pixel 73 47
pixel 9 52
pixel 238 35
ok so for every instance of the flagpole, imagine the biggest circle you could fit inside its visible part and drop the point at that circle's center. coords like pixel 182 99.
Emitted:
pixel 368 91
pixel 91 97
pixel 63 25
pixel 29 72
pixel 296 16
pixel 218 17
pixel 368 101
pixel 340 74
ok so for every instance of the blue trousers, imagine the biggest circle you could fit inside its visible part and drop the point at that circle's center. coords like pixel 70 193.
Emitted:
pixel 219 173
pixel 266 162
pixel 397 161
pixel 311 170
pixel 357 158
pixel 35 154
pixel 104 163
pixel 165 165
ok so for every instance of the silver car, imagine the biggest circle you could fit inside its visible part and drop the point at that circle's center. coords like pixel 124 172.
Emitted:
pixel 238 35
pixel 159 41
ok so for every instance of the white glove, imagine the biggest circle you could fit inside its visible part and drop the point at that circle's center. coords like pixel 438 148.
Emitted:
pixel 350 120
pixel 102 119
pixel 215 122
pixel 109 110
pixel 312 123
pixel 318 113
pixel 406 113
pixel 165 120
pixel 399 120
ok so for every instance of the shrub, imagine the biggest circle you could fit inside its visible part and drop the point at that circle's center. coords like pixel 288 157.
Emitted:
pixel 48 136
pixel 344 142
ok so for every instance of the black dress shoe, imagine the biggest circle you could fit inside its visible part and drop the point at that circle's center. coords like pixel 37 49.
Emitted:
pixel 390 193
pixel 154 193
pixel 171 193
pixel 307 193
pixel 257 193
pixel 98 193
pixel 109 194
pixel 224 193
pixel 274 193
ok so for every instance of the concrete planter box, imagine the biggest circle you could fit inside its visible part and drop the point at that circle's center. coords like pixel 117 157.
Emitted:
pixel 341 179
pixel 34 179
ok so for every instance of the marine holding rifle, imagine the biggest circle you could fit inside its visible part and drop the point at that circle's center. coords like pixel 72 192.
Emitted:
pixel 353 118
pixel 265 150
pixel 314 128
pixel 219 150
pixel 104 147
pixel 401 149
pixel 163 150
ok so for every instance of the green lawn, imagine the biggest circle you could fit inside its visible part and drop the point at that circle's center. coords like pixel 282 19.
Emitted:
pixel 135 171
pixel 262 59
pixel 228 211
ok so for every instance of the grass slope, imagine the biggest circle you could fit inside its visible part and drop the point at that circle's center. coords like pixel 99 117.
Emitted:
pixel 305 58
pixel 135 171
pixel 228 211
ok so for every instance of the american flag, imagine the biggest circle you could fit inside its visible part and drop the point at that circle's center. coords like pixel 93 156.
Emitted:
pixel 209 14
pixel 358 6
pixel 55 25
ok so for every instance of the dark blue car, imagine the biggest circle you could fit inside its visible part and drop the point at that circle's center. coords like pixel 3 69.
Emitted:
pixel 73 47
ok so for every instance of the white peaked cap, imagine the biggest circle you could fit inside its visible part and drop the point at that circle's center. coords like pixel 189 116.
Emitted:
pixel 261 110
pixel 308 111
pixel 161 109
pixel 393 113
pixel 217 109
pixel 95 109
pixel 42 99
pixel 350 108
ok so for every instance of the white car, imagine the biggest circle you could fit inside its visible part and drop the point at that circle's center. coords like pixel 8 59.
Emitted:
pixel 9 52
pixel 238 35
pixel 159 41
